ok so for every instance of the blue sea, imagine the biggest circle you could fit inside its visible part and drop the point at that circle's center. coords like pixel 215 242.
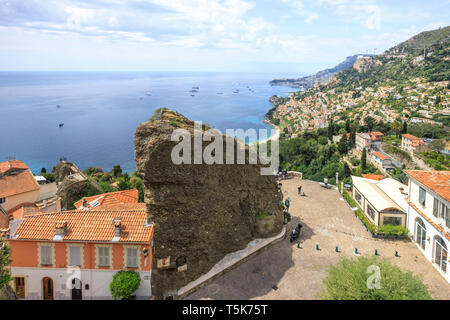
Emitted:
pixel 101 110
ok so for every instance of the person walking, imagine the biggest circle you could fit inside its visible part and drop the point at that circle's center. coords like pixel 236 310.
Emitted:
pixel 299 190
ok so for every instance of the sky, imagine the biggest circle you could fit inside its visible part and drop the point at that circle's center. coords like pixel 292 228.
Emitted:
pixel 282 36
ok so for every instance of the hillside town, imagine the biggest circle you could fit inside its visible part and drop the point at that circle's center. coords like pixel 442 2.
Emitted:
pixel 416 102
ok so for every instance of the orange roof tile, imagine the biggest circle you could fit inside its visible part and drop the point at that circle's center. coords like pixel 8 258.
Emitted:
pixel 379 155
pixel 376 177
pixel 110 198
pixel 12 164
pixel 17 183
pixel 87 225
pixel 22 209
pixel 438 181
pixel 410 136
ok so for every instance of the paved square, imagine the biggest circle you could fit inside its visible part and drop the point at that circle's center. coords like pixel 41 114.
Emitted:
pixel 283 271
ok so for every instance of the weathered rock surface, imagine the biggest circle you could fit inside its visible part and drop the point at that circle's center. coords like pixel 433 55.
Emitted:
pixel 200 212
pixel 73 184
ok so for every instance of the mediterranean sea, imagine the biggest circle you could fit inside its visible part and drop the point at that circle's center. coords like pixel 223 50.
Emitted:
pixel 101 110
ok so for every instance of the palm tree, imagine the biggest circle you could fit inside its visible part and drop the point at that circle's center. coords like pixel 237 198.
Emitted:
pixel 397 126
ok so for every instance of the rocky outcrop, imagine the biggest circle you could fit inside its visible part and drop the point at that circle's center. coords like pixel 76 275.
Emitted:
pixel 362 64
pixel 200 212
pixel 73 184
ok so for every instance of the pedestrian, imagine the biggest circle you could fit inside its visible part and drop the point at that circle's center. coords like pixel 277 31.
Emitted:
pixel 299 190
pixel 283 173
pixel 325 182
pixel 275 174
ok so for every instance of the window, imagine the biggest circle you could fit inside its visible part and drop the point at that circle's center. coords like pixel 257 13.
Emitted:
pixel 422 194
pixel 395 221
pixel 75 256
pixel 103 257
pixel 421 233
pixel 358 197
pixel 3 200
pixel 441 211
pixel 440 253
pixel 132 257
pixel 371 212
pixel 46 255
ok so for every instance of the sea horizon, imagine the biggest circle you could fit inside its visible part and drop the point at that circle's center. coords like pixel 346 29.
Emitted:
pixel 101 110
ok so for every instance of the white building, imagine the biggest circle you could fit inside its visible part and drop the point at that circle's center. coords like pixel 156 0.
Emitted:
pixel 429 217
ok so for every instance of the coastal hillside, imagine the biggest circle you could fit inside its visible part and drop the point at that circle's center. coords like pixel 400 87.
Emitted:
pixel 408 83
pixel 320 77
pixel 403 90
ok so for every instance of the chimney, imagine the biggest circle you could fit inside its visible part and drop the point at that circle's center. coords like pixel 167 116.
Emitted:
pixel 85 203
pixel 61 227
pixel 117 227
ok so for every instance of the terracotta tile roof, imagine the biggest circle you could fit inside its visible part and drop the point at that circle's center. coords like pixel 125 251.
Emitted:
pixel 379 155
pixel 17 183
pixel 409 136
pixel 12 164
pixel 110 198
pixel 438 181
pixel 376 177
pixel 87 225
pixel 23 209
pixel 378 133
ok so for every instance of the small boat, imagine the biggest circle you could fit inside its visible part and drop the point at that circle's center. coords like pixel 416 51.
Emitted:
pixel 193 90
pixel 219 92
pixel 192 95
pixel 61 124
pixel 58 106
pixel 196 88
pixel 148 93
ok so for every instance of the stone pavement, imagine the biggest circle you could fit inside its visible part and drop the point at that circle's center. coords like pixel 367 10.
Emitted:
pixel 283 271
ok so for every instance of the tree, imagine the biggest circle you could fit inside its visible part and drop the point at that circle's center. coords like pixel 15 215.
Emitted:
pixel 370 122
pixel 397 126
pixel 347 171
pixel 43 170
pixel 347 125
pixel 124 284
pixel 352 139
pixel 405 127
pixel 116 171
pixel 330 130
pixel 364 159
pixel 5 260
pixel 372 279
pixel 343 146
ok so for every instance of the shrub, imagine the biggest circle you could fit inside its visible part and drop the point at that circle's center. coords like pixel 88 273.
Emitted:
pixel 5 260
pixel 262 214
pixel 391 230
pixel 124 284
pixel 348 280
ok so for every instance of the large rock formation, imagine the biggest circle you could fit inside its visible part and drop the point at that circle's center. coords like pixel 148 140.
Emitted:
pixel 200 212
pixel 73 184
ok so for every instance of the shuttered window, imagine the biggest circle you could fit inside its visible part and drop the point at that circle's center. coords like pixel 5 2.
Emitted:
pixel 75 256
pixel 46 255
pixel 132 257
pixel 103 256
pixel 422 194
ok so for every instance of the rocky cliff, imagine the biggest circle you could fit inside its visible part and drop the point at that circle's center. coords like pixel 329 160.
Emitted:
pixel 200 212
pixel 320 78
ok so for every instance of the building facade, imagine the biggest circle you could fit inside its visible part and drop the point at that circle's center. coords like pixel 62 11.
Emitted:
pixel 381 201
pixel 412 143
pixel 17 185
pixel 362 141
pixel 75 254
pixel 429 216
